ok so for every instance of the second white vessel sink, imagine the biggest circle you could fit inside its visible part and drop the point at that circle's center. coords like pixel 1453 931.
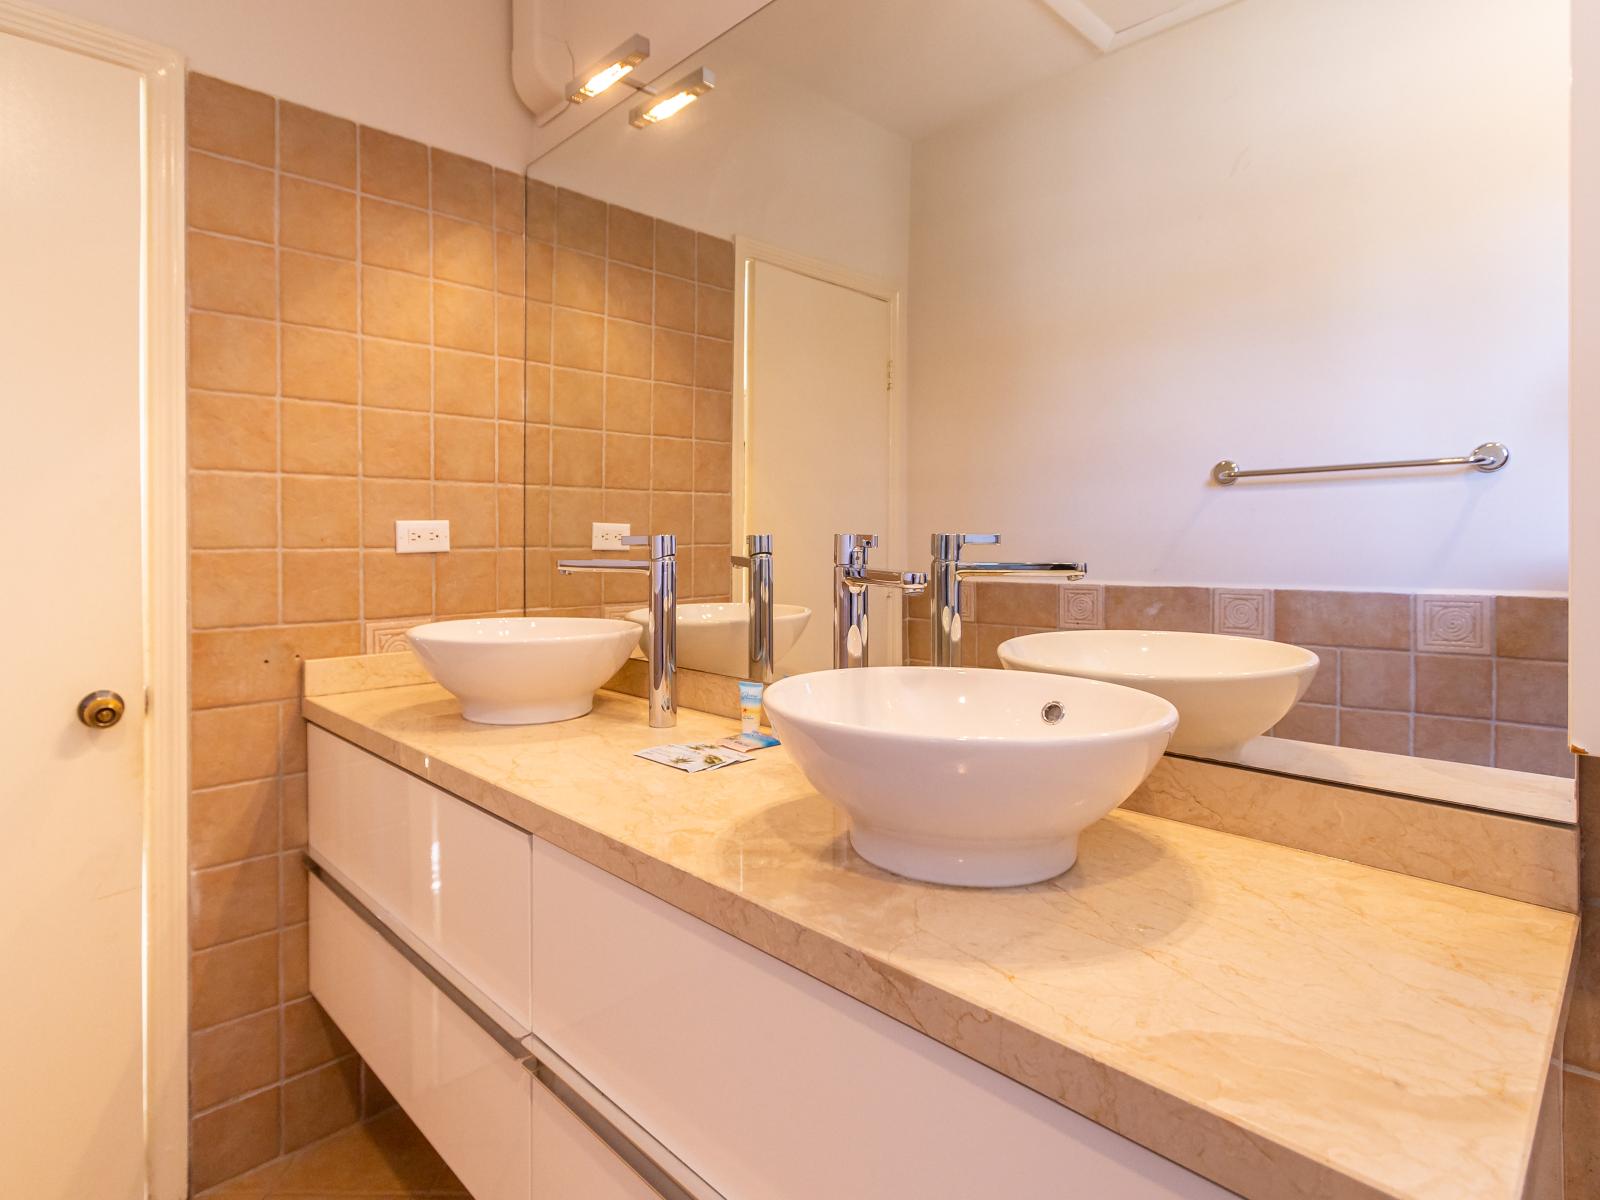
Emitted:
pixel 1227 689
pixel 716 637
pixel 524 670
pixel 972 777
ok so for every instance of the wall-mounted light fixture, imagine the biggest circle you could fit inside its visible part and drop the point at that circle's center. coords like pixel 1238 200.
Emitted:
pixel 611 69
pixel 674 99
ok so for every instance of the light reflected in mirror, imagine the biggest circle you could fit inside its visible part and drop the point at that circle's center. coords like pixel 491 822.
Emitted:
pixel 915 268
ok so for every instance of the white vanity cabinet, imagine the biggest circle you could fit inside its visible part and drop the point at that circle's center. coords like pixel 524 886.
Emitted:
pixel 450 874
pixel 469 1094
pixel 473 965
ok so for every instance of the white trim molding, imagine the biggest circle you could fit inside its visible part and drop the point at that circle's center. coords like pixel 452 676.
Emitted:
pixel 166 776
pixel 1583 406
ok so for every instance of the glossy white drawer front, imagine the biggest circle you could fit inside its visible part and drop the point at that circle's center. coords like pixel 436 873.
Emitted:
pixel 453 875
pixel 770 1084
pixel 570 1161
pixel 468 1096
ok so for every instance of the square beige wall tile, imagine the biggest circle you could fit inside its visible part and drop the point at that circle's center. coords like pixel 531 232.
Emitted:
pixel 1174 608
pixel 1487 683
pixel 370 323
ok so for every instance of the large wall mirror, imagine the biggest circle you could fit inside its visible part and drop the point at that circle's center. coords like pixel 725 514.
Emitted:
pixel 927 266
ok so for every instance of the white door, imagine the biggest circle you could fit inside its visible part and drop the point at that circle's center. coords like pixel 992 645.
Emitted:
pixel 819 447
pixel 71 1049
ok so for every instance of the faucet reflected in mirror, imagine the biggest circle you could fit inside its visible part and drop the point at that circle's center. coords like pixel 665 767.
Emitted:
pixel 947 571
pixel 852 582
pixel 757 560
pixel 663 632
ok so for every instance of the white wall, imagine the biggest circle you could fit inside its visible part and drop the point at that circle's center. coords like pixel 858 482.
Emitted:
pixel 1584 612
pixel 1294 231
pixel 762 156
pixel 438 71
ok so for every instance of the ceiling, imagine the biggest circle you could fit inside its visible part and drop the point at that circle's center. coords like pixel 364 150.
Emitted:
pixel 912 66
pixel 915 66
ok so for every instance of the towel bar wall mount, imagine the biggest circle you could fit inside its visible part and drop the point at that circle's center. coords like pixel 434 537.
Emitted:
pixel 1490 456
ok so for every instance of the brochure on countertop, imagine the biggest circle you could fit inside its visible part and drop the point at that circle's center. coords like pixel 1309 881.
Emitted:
pixel 700 756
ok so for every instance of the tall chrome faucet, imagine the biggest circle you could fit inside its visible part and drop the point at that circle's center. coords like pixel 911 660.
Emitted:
pixel 757 559
pixel 663 633
pixel 852 580
pixel 947 571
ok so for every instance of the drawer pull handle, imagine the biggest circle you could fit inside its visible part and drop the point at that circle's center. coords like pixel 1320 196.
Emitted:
pixel 660 1169
pixel 663 1181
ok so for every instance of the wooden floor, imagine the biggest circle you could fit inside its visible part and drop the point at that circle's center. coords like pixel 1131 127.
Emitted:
pixel 384 1159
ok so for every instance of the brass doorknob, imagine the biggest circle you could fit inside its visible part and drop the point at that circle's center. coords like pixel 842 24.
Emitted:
pixel 100 710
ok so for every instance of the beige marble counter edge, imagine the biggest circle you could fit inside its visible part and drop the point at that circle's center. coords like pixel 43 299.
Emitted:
pixel 1518 857
pixel 1227 1152
pixel 1466 785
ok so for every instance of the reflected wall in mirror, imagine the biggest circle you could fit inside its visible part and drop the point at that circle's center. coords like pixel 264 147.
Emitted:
pixel 933 267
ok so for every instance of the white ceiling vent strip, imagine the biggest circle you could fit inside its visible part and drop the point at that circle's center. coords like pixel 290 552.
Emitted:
pixel 1112 24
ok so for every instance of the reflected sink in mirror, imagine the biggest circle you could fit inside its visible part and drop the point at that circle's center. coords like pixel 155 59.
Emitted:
pixel 524 670
pixel 980 778
pixel 716 637
pixel 872 147
pixel 1227 690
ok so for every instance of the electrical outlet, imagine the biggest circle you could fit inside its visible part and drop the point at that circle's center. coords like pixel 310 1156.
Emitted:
pixel 609 537
pixel 421 537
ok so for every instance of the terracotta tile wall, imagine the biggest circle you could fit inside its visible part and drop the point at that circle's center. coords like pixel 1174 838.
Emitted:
pixel 1581 1078
pixel 630 348
pixel 351 360
pixel 1468 678
pixel 366 317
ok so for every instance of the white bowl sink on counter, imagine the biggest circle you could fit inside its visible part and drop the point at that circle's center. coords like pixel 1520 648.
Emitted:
pixel 980 778
pixel 716 637
pixel 1227 690
pixel 524 670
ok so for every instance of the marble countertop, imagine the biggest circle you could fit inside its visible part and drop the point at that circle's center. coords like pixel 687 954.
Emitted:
pixel 1284 1024
pixel 1493 789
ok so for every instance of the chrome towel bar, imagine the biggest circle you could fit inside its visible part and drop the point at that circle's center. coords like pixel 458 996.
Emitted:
pixel 1490 456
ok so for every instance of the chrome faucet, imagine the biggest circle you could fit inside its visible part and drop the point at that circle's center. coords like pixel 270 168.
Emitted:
pixel 757 559
pixel 663 633
pixel 947 572
pixel 852 579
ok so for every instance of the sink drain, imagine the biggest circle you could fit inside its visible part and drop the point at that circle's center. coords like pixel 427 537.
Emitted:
pixel 1053 712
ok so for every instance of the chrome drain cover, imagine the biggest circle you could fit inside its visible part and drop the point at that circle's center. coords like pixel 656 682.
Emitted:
pixel 1053 712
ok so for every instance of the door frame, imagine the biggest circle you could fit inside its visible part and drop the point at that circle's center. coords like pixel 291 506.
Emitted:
pixel 166 616
pixel 748 251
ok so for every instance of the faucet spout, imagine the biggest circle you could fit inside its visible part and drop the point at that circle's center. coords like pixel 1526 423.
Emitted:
pixel 910 583
pixel 947 573
pixel 663 632
pixel 1054 570
pixel 853 582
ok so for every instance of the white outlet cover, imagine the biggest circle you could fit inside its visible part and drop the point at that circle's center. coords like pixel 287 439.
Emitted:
pixel 608 536
pixel 421 537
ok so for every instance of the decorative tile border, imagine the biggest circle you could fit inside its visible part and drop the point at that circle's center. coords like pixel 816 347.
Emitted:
pixel 388 637
pixel 1477 679
pixel 1242 612
pixel 1455 624
pixel 1083 606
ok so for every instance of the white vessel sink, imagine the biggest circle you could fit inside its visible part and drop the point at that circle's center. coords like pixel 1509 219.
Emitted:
pixel 716 637
pixel 972 777
pixel 524 670
pixel 1227 689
